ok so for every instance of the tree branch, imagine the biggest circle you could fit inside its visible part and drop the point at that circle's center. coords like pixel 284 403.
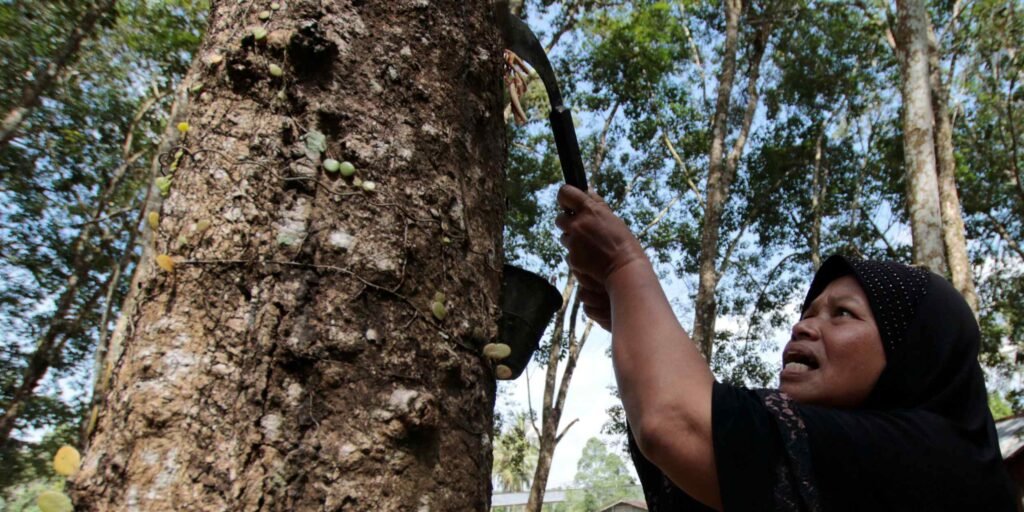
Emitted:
pixel 47 73
pixel 566 429
pixel 682 164
pixel 602 146
pixel 1005 234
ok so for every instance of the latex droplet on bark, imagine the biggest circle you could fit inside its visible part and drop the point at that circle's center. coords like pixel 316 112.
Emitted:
pixel 165 262
pixel 503 372
pixel 438 310
pixel 497 350
pixel 347 169
pixel 53 501
pixel 66 460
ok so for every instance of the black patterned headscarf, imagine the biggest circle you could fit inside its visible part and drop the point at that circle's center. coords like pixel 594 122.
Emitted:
pixel 924 439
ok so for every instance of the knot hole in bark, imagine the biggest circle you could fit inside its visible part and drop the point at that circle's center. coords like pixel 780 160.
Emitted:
pixel 311 53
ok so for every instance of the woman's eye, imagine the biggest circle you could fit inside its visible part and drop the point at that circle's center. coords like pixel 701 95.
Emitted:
pixel 843 312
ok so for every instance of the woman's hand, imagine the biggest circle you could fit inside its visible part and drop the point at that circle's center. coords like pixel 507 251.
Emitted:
pixel 596 303
pixel 599 243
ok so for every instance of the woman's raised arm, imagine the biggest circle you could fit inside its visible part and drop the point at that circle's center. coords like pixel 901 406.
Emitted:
pixel 664 382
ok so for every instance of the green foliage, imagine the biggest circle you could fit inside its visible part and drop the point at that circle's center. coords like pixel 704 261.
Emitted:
pixel 999 407
pixel 515 456
pixel 602 478
pixel 71 185
pixel 33 462
pixel 989 146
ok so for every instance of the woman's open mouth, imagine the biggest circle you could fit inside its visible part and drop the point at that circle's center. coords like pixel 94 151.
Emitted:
pixel 797 362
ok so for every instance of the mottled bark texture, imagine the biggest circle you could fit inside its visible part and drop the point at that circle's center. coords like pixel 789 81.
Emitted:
pixel 953 232
pixel 714 204
pixel 918 135
pixel 551 414
pixel 291 360
pixel 722 171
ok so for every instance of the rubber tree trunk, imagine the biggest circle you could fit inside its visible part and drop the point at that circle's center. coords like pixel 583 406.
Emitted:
pixel 819 189
pixel 705 306
pixel 918 135
pixel 294 358
pixel 953 231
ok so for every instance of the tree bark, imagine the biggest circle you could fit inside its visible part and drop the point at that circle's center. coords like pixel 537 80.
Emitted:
pixel 292 359
pixel 109 349
pixel 918 135
pixel 551 416
pixel 819 186
pixel 46 75
pixel 553 404
pixel 705 307
pixel 953 231
pixel 722 171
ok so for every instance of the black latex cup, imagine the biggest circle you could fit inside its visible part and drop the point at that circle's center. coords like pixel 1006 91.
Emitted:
pixel 528 302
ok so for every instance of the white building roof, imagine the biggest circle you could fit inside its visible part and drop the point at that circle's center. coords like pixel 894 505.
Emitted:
pixel 1011 435
pixel 520 498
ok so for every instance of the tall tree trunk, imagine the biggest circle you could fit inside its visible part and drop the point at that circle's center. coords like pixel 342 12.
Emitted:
pixel 48 72
pixel 918 135
pixel 819 187
pixel 294 358
pixel 553 404
pixel 72 304
pixel 714 203
pixel 722 171
pixel 109 349
pixel 953 231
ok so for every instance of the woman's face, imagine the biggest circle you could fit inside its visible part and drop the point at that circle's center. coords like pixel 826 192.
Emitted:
pixel 834 355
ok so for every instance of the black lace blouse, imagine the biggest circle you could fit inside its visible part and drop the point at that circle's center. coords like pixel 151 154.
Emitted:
pixel 761 452
pixel 923 440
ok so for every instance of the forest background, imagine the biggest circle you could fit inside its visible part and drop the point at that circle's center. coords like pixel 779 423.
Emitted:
pixel 742 141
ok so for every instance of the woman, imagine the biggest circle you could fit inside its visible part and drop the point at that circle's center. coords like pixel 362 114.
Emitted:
pixel 881 406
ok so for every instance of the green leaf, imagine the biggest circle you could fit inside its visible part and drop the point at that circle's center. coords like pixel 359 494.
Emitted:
pixel 316 141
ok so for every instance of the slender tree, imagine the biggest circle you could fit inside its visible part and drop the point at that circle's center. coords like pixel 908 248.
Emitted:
pixel 912 50
pixel 327 262
pixel 953 232
pixel 51 68
pixel 722 167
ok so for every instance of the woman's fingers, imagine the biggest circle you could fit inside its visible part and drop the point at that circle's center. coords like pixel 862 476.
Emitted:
pixel 589 283
pixel 601 316
pixel 562 221
pixel 596 239
pixel 594 298
pixel 572 199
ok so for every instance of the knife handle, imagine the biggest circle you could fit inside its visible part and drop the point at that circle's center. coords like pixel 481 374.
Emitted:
pixel 568 147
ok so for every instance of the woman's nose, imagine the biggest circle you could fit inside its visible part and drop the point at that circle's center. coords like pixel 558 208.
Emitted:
pixel 804 330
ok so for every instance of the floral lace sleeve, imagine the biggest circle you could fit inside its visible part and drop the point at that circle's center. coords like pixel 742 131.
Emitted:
pixel 794 481
pixel 661 494
pixel 761 453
